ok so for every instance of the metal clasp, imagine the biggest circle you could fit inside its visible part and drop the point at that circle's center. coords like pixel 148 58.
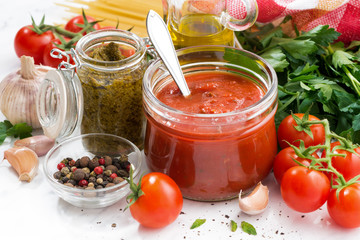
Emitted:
pixel 57 53
pixel 150 49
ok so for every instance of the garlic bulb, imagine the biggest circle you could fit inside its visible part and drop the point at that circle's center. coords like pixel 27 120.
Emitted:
pixel 256 201
pixel 24 161
pixel 40 144
pixel 18 92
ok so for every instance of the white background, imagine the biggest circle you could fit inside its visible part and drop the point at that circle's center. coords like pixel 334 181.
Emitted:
pixel 34 211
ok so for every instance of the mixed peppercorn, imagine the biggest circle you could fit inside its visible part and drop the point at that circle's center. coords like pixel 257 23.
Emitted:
pixel 96 173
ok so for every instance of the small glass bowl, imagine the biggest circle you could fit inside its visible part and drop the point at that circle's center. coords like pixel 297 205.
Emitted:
pixel 90 145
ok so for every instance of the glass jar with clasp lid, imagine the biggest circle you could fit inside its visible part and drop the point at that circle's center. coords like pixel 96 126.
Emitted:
pixel 101 93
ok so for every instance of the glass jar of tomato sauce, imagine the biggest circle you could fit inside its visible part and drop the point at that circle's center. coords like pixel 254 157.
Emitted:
pixel 217 150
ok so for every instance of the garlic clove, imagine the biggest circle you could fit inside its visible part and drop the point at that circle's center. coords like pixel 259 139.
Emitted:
pixel 256 201
pixel 40 144
pixel 24 161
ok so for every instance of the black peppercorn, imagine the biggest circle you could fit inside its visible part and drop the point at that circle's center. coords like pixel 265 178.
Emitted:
pixel 72 181
pixel 125 164
pixel 122 173
pixel 84 161
pixel 99 187
pixel 93 163
pixel 104 183
pixel 118 180
pixel 65 179
pixel 112 168
pixel 108 160
pixel 79 175
pixel 77 163
pixel 92 179
pixel 57 175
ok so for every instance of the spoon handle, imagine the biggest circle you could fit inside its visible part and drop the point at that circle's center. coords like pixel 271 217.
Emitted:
pixel 160 38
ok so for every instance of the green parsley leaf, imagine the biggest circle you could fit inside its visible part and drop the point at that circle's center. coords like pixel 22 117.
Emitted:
pixel 2 138
pixel 248 228
pixel 20 130
pixel 198 223
pixel 233 225
pixel 322 35
pixel 342 58
pixel 276 58
pixel 299 49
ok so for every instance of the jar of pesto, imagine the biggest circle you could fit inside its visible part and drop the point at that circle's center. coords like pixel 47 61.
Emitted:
pixel 101 93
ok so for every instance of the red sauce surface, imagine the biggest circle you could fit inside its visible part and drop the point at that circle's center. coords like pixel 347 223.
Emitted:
pixel 213 92
pixel 213 165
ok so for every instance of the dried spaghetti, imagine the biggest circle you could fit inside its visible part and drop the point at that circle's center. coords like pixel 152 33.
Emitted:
pixel 128 13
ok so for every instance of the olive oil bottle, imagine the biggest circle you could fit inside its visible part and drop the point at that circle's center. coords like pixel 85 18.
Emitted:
pixel 199 29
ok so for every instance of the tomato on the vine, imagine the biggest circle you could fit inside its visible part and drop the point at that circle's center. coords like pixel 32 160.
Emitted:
pixel 72 24
pixel 288 133
pixel 48 59
pixel 303 189
pixel 345 209
pixel 161 203
pixel 348 166
pixel 29 43
pixel 285 160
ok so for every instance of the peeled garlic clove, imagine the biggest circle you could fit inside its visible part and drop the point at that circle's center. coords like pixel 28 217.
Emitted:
pixel 40 144
pixel 24 161
pixel 256 201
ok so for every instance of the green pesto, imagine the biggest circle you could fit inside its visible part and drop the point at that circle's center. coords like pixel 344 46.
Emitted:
pixel 113 102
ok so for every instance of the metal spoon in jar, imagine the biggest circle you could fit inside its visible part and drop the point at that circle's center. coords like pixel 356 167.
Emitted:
pixel 160 38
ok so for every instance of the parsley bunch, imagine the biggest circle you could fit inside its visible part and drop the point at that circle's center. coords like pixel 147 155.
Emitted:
pixel 315 74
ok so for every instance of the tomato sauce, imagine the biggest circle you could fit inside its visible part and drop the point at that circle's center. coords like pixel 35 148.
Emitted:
pixel 212 161
pixel 212 93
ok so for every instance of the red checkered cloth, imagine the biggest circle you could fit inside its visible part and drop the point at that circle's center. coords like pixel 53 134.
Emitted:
pixel 342 15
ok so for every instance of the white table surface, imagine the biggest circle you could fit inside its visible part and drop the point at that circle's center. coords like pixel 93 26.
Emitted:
pixel 33 211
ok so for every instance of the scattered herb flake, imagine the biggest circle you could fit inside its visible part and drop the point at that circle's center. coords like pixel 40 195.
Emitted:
pixel 198 223
pixel 248 228
pixel 233 225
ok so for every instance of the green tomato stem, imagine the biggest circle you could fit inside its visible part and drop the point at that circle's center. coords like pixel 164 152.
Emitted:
pixel 327 148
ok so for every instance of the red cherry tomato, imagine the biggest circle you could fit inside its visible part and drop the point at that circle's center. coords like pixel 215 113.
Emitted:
pixel 127 52
pixel 49 60
pixel 161 203
pixel 304 190
pixel 29 43
pixel 285 160
pixel 287 132
pixel 71 25
pixel 345 210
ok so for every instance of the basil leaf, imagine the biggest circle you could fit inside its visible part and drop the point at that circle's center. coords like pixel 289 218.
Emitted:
pixel 198 223
pixel 248 228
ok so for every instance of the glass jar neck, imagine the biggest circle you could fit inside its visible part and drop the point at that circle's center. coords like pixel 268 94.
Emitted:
pixel 100 37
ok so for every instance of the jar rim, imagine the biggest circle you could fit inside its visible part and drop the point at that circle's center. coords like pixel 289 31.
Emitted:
pixel 110 34
pixel 268 98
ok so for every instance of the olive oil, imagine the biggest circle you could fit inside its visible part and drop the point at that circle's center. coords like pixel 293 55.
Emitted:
pixel 199 29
